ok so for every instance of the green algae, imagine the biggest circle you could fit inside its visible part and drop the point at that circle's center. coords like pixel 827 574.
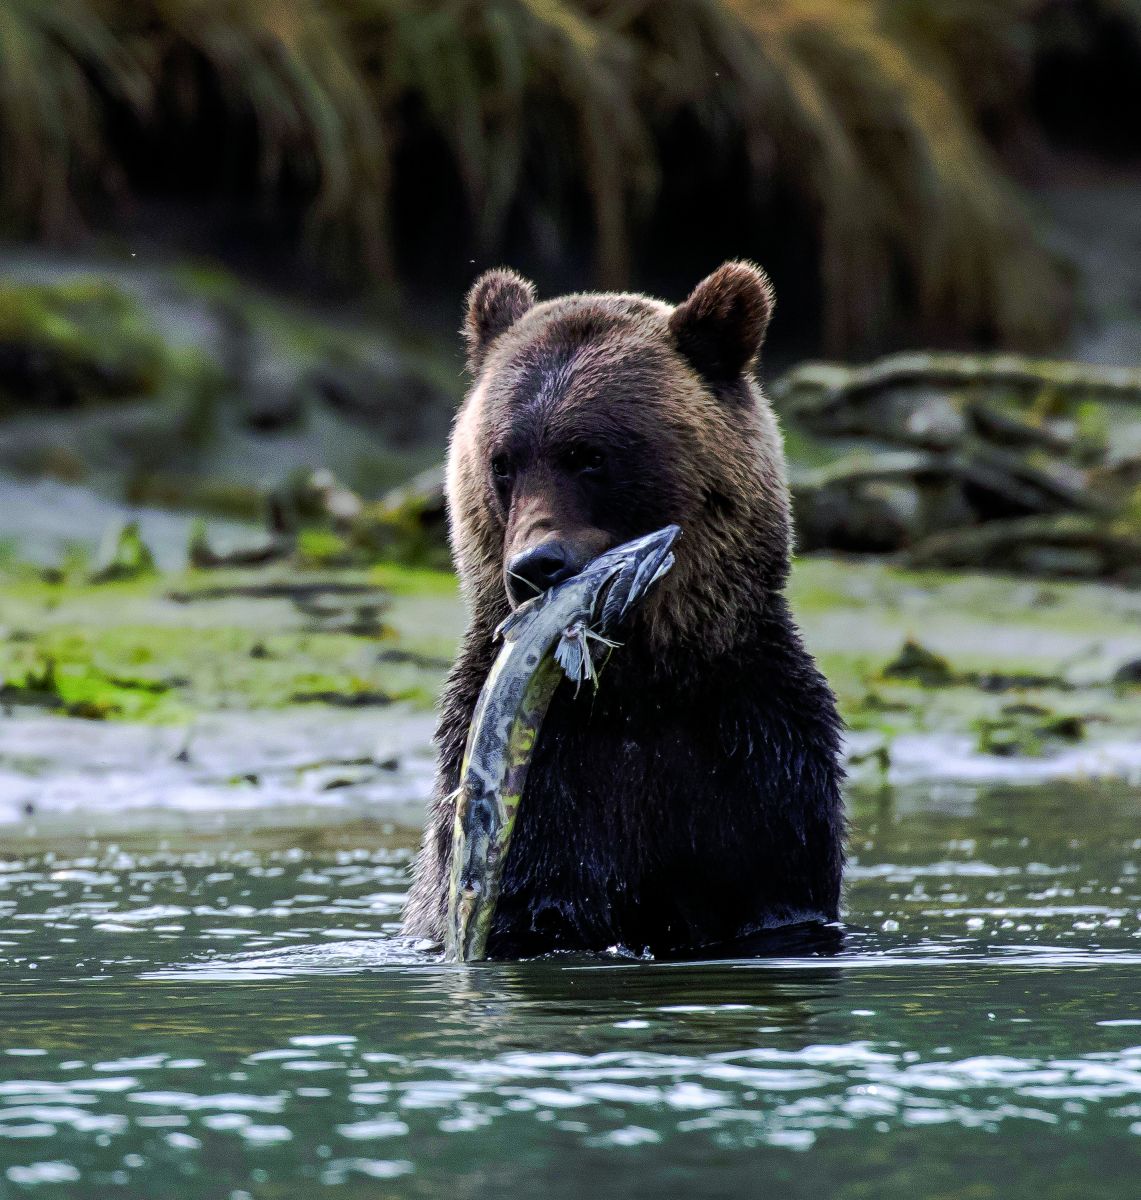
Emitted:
pixel 129 650
pixel 1023 662
pixel 993 641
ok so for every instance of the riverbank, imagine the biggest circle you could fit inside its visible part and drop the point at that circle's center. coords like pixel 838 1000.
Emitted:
pixel 193 697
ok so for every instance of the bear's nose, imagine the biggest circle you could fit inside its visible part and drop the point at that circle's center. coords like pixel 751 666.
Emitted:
pixel 536 570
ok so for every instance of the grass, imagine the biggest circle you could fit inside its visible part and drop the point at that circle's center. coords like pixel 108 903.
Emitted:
pixel 63 67
pixel 865 110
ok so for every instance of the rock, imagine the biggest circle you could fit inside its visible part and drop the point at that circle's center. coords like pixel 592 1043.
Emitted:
pixel 328 614
pixel 1118 480
pixel 1063 562
pixel 1128 674
pixel 919 665
pixel 409 524
pixel 68 344
pixel 860 503
pixel 863 517
pixel 933 420
pixel 39 687
pixel 422 498
pixel 311 496
pixel 383 393
pixel 364 698
pixel 202 556
pixel 275 396
pixel 1029 730
pixel 123 555
pixel 1008 681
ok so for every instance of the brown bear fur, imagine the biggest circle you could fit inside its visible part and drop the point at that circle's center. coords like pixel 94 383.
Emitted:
pixel 695 798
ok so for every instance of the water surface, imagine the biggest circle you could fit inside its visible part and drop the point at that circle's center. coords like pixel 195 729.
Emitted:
pixel 237 1017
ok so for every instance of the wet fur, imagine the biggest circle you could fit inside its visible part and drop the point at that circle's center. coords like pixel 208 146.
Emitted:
pixel 696 796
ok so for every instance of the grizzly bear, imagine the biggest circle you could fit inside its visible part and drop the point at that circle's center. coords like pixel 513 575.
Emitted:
pixel 694 797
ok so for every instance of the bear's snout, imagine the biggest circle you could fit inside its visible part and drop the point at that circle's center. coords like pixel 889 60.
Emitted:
pixel 538 568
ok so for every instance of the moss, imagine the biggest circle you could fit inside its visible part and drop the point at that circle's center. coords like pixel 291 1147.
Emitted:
pixel 1131 510
pixel 398 536
pixel 195 385
pixel 322 548
pixel 97 672
pixel 125 650
pixel 38 686
pixel 1092 431
pixel 1027 730
pixel 74 694
pixel 403 580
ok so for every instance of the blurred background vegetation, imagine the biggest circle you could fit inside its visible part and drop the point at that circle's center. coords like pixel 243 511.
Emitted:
pixel 870 152
pixel 235 235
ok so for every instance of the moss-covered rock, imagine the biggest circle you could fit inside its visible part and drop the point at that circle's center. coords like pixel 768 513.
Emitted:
pixel 124 556
pixel 409 525
pixel 68 344
pixel 1028 730
pixel 919 665
pixel 1060 546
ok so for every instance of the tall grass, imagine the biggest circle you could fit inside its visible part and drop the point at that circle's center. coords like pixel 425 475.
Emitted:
pixel 59 64
pixel 867 111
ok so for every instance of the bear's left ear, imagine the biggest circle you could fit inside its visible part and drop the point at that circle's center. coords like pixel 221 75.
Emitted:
pixel 496 301
pixel 721 326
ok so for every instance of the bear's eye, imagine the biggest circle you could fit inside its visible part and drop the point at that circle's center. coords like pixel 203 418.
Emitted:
pixel 501 467
pixel 583 460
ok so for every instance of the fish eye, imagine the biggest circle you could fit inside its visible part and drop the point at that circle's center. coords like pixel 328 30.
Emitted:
pixel 584 460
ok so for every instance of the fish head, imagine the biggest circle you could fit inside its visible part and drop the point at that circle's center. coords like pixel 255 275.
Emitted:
pixel 604 592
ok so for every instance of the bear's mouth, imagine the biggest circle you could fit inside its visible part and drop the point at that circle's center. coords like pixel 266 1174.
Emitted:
pixel 610 584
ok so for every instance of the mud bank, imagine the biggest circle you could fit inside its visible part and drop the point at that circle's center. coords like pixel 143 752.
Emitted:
pixel 280 696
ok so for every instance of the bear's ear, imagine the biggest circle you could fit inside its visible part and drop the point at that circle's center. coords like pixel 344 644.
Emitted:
pixel 721 326
pixel 496 301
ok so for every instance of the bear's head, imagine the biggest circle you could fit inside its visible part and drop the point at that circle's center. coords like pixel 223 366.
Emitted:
pixel 593 419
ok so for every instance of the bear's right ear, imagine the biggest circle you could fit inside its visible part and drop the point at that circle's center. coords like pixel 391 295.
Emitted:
pixel 721 325
pixel 496 301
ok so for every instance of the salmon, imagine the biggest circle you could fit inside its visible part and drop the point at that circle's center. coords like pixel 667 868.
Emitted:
pixel 553 637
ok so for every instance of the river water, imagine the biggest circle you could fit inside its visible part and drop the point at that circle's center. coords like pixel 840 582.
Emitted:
pixel 235 1015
